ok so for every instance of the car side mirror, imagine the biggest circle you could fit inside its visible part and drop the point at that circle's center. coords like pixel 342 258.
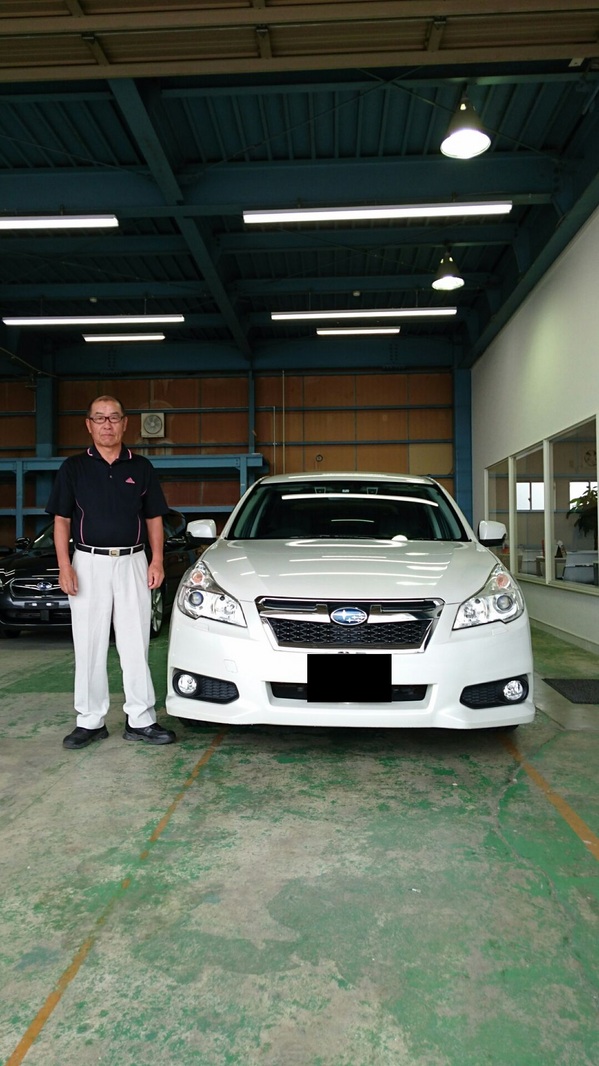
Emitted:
pixel 491 534
pixel 202 529
pixel 22 544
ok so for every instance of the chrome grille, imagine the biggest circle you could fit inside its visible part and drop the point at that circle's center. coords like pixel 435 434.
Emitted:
pixel 403 624
pixel 28 588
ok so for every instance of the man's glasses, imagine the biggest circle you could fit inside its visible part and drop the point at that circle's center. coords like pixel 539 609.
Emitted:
pixel 99 419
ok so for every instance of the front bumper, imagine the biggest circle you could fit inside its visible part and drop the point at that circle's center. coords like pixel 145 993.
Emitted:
pixel 452 661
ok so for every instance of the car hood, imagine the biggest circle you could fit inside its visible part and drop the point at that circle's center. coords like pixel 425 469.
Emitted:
pixel 25 564
pixel 338 569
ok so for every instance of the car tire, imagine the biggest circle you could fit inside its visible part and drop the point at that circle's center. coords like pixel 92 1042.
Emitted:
pixel 157 613
pixel 12 633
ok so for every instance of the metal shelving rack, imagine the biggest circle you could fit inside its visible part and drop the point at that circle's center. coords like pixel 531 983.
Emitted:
pixel 247 468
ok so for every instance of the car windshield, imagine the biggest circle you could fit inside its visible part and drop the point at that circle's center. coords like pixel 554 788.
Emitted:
pixel 384 510
pixel 45 540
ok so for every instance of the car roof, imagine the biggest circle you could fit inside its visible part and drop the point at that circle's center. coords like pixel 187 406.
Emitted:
pixel 346 475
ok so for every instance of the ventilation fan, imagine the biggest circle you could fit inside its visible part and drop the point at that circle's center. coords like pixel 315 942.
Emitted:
pixel 152 423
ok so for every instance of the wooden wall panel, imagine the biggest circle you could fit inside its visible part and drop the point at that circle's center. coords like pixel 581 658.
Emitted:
pixel 433 459
pixel 230 428
pixel 331 390
pixel 329 426
pixel 15 396
pixel 434 423
pixel 393 422
pixel 291 460
pixel 272 391
pixel 447 483
pixel 382 425
pixel 381 389
pixel 72 433
pixel 182 428
pixel 18 433
pixel 76 395
pixel 171 393
pixel 224 392
pixel 382 458
pixel 430 388
pixel 132 394
pixel 333 457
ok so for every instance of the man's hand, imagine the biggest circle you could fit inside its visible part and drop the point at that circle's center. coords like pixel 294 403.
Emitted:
pixel 155 575
pixel 67 579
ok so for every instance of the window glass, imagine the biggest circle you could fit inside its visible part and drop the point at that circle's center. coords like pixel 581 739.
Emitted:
pixel 575 504
pixel 530 514
pixel 498 493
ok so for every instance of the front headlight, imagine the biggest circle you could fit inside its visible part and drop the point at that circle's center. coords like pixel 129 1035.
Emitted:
pixel 199 596
pixel 499 601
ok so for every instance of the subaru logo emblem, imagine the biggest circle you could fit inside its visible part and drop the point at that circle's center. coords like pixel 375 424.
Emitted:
pixel 44 586
pixel 349 616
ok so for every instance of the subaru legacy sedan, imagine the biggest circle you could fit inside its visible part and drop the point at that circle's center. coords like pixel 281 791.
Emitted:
pixel 350 599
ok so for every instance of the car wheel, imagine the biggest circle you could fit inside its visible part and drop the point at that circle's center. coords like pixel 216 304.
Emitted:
pixel 12 633
pixel 157 612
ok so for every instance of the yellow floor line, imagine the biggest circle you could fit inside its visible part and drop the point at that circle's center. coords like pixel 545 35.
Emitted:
pixel 38 1023
pixel 570 816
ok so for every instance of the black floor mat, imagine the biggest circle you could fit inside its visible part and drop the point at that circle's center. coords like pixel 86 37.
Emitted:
pixel 575 689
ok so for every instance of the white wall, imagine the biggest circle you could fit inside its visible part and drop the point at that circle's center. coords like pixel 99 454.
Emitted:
pixel 539 376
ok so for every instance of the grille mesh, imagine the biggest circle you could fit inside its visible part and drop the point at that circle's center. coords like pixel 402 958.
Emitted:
pixel 284 690
pixel 490 694
pixel 290 632
pixel 211 689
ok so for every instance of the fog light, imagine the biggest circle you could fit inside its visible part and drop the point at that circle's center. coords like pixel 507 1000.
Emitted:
pixel 513 691
pixel 186 684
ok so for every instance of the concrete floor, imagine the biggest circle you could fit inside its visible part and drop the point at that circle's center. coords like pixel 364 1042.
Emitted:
pixel 296 897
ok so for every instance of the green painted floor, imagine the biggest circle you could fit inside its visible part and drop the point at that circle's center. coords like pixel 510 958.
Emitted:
pixel 289 897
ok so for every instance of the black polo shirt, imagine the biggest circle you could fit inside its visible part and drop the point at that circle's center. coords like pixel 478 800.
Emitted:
pixel 108 503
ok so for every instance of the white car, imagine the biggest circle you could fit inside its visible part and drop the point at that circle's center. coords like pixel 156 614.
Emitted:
pixel 350 599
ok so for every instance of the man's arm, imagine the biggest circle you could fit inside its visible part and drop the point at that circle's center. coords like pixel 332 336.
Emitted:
pixel 67 578
pixel 155 529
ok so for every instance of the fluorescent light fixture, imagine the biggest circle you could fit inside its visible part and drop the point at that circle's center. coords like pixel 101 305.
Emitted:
pixel 351 331
pixel 465 137
pixel 448 276
pixel 93 320
pixel 345 214
pixel 107 338
pixel 59 222
pixel 404 312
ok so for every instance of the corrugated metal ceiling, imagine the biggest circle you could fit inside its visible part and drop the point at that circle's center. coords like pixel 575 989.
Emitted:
pixel 178 116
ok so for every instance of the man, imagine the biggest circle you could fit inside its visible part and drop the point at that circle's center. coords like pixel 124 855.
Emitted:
pixel 111 503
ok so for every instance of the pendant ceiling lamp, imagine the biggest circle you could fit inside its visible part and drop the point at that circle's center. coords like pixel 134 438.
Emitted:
pixel 465 137
pixel 448 276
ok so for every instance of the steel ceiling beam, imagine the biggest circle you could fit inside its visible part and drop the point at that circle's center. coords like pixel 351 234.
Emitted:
pixel 142 130
pixel 290 15
pixel 229 188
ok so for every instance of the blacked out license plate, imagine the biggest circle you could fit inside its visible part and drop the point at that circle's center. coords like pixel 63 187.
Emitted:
pixel 352 678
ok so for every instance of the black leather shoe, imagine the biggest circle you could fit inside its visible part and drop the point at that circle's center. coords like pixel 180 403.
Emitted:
pixel 81 737
pixel 152 734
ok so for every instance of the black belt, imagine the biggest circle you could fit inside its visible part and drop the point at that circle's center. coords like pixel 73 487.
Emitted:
pixel 110 551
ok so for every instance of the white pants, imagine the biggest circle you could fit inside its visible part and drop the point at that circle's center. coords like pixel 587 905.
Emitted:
pixel 112 589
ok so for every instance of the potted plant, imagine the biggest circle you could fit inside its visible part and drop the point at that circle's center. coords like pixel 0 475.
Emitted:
pixel 585 509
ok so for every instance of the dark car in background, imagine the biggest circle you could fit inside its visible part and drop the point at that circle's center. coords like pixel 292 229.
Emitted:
pixel 31 598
